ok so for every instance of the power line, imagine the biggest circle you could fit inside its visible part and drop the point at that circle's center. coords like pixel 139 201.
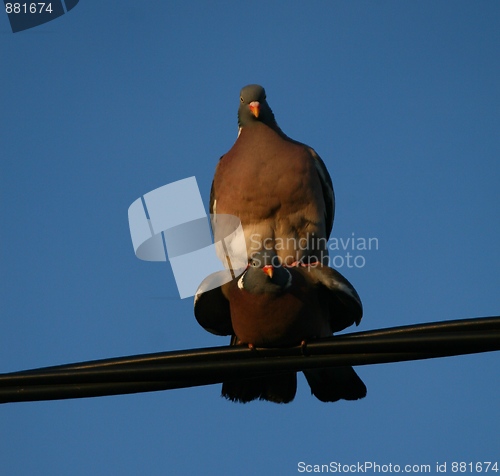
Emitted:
pixel 188 368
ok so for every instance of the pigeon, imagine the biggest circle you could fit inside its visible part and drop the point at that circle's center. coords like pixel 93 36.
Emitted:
pixel 279 188
pixel 271 305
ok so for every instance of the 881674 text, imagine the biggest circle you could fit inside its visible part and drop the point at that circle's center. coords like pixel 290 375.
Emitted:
pixel 33 7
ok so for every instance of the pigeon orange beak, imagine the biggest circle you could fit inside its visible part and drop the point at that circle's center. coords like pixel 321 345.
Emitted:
pixel 268 269
pixel 254 108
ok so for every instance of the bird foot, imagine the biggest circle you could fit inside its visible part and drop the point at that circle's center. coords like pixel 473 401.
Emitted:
pixel 251 346
pixel 303 347
pixel 301 263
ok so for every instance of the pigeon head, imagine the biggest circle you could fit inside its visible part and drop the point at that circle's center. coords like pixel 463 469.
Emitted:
pixel 265 274
pixel 253 107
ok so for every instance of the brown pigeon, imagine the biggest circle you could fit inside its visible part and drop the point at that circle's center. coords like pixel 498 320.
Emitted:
pixel 281 191
pixel 270 305
pixel 279 188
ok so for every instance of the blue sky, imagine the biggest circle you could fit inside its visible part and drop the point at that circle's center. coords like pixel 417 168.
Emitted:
pixel 115 99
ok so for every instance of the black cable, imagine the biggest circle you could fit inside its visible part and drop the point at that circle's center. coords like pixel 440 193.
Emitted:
pixel 209 353
pixel 179 369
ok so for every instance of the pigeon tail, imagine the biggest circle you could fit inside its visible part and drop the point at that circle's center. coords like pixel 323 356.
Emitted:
pixel 335 383
pixel 277 388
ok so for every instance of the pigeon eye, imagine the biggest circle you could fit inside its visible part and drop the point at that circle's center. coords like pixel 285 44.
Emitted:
pixel 255 262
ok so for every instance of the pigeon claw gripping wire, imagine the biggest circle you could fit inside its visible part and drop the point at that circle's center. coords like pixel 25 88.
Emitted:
pixel 303 348
pixel 309 264
pixel 251 346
